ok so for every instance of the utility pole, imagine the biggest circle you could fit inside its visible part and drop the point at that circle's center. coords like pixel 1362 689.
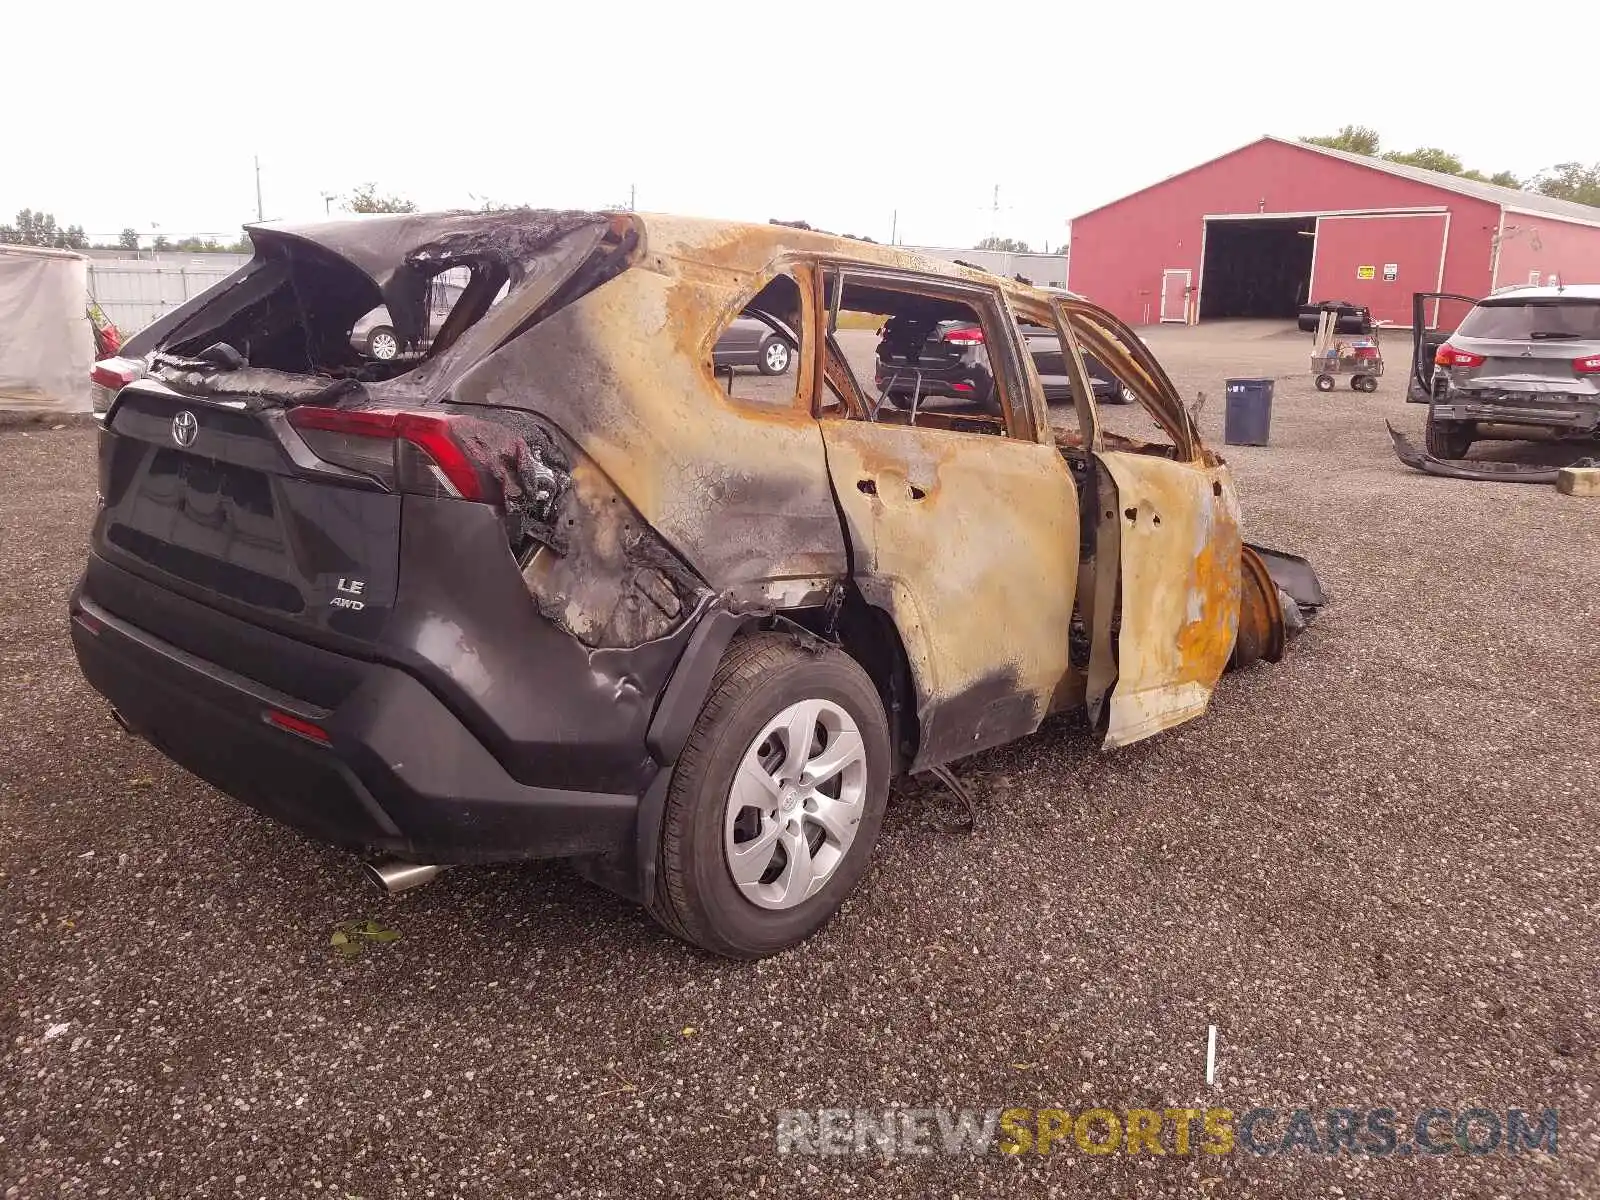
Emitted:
pixel 633 193
pixel 894 227
pixel 259 216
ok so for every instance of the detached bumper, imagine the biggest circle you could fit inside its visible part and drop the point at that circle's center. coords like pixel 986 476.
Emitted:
pixel 1465 468
pixel 398 774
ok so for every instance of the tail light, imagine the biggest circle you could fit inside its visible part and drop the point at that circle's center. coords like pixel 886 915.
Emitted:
pixel 1450 356
pixel 964 335
pixel 1587 366
pixel 405 451
pixel 298 726
pixel 110 376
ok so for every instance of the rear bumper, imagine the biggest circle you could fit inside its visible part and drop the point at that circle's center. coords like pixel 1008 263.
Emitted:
pixel 1575 417
pixel 939 385
pixel 399 774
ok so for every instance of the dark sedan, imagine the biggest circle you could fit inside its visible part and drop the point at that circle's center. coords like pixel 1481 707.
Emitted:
pixel 750 342
pixel 950 363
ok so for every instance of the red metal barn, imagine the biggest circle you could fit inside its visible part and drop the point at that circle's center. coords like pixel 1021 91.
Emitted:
pixel 1276 224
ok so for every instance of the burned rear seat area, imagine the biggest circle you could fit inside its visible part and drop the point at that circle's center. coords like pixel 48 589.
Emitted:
pixel 280 336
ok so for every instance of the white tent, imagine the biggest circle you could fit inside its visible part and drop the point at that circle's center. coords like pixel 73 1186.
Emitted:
pixel 46 340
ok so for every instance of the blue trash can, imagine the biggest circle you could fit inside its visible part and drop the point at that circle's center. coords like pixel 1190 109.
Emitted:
pixel 1249 414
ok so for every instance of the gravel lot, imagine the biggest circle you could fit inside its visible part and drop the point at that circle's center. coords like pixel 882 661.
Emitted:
pixel 1371 867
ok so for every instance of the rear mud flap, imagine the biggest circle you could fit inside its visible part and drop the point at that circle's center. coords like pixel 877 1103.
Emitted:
pixel 1461 468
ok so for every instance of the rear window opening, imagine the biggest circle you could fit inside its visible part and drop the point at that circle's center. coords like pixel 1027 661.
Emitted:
pixel 1553 319
pixel 372 314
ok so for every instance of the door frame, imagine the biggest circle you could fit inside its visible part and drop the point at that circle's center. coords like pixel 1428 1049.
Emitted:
pixel 979 682
pixel 1188 283
pixel 1171 525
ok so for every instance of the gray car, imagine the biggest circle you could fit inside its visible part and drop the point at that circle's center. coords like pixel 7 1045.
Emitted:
pixel 374 334
pixel 751 342
pixel 1524 362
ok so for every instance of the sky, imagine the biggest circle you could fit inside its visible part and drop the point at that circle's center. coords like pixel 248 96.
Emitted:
pixel 867 118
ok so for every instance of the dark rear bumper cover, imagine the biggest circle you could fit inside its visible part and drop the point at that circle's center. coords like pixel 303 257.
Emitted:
pixel 1464 468
pixel 402 774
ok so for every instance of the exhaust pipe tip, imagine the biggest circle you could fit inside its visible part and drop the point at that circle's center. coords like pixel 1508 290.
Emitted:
pixel 395 875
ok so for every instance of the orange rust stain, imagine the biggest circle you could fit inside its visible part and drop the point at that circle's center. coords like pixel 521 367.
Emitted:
pixel 1205 642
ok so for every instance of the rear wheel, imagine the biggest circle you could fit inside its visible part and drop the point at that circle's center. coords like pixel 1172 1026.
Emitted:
pixel 776 800
pixel 1449 439
pixel 774 357
pixel 382 344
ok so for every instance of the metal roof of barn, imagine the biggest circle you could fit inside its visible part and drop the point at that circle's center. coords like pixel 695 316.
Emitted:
pixel 1505 197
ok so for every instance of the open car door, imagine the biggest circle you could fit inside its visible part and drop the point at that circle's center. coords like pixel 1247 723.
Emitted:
pixel 1426 338
pixel 1175 523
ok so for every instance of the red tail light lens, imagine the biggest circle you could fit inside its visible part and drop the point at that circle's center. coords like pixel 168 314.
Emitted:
pixel 299 726
pixel 1449 356
pixel 115 373
pixel 964 335
pixel 405 451
pixel 1587 366
pixel 108 377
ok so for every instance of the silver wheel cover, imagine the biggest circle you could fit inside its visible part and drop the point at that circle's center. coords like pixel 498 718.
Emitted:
pixel 795 804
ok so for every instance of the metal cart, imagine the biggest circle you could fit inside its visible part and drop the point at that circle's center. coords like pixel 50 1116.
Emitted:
pixel 1361 357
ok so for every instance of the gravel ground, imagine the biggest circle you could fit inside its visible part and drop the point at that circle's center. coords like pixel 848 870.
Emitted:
pixel 1371 867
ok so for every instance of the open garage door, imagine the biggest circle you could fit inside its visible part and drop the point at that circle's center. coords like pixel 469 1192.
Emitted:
pixel 1379 260
pixel 1256 267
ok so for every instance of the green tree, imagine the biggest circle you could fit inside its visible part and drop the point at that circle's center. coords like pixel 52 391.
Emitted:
pixel 1570 181
pixel 128 239
pixel 195 245
pixel 367 199
pixel 161 242
pixel 40 229
pixel 1429 158
pixel 1357 139
pixel 1015 245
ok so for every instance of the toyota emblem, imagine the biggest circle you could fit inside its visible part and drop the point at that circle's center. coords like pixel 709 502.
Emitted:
pixel 184 428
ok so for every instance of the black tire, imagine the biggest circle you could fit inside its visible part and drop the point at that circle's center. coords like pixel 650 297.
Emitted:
pixel 1324 383
pixel 696 897
pixel 1357 384
pixel 769 351
pixel 385 337
pixel 1449 439
pixel 1369 383
pixel 1123 395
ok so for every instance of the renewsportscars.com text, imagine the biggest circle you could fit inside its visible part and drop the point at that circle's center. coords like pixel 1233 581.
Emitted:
pixel 1376 1132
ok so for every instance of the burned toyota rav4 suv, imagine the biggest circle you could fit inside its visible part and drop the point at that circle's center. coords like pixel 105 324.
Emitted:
pixel 561 589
